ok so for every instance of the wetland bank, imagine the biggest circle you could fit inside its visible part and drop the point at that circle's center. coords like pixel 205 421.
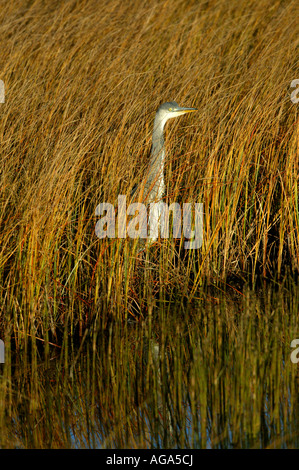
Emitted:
pixel 105 348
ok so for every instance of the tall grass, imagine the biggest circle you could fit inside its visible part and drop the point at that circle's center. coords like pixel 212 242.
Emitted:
pixel 83 80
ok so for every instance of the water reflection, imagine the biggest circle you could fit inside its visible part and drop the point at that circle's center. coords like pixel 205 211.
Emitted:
pixel 211 376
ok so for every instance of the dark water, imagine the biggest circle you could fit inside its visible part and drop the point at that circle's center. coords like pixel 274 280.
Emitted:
pixel 214 374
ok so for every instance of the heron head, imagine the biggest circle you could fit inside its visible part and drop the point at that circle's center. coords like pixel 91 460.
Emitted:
pixel 171 110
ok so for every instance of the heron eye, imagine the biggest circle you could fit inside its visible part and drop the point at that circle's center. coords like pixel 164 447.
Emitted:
pixel 170 109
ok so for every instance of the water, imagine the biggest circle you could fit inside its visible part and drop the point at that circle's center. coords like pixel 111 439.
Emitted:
pixel 213 374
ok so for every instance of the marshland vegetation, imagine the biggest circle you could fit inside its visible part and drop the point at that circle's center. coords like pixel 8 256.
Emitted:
pixel 82 83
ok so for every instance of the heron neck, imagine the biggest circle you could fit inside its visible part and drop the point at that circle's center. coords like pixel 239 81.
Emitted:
pixel 154 183
pixel 158 150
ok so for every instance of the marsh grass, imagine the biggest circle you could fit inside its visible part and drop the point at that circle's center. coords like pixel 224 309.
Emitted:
pixel 82 82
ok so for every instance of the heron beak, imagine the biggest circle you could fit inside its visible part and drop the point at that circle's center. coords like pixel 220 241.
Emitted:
pixel 186 110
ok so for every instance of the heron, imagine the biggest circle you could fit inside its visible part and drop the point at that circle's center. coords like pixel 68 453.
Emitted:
pixel 153 185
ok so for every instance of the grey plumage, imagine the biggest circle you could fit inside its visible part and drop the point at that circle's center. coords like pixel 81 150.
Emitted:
pixel 154 182
pixel 153 185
